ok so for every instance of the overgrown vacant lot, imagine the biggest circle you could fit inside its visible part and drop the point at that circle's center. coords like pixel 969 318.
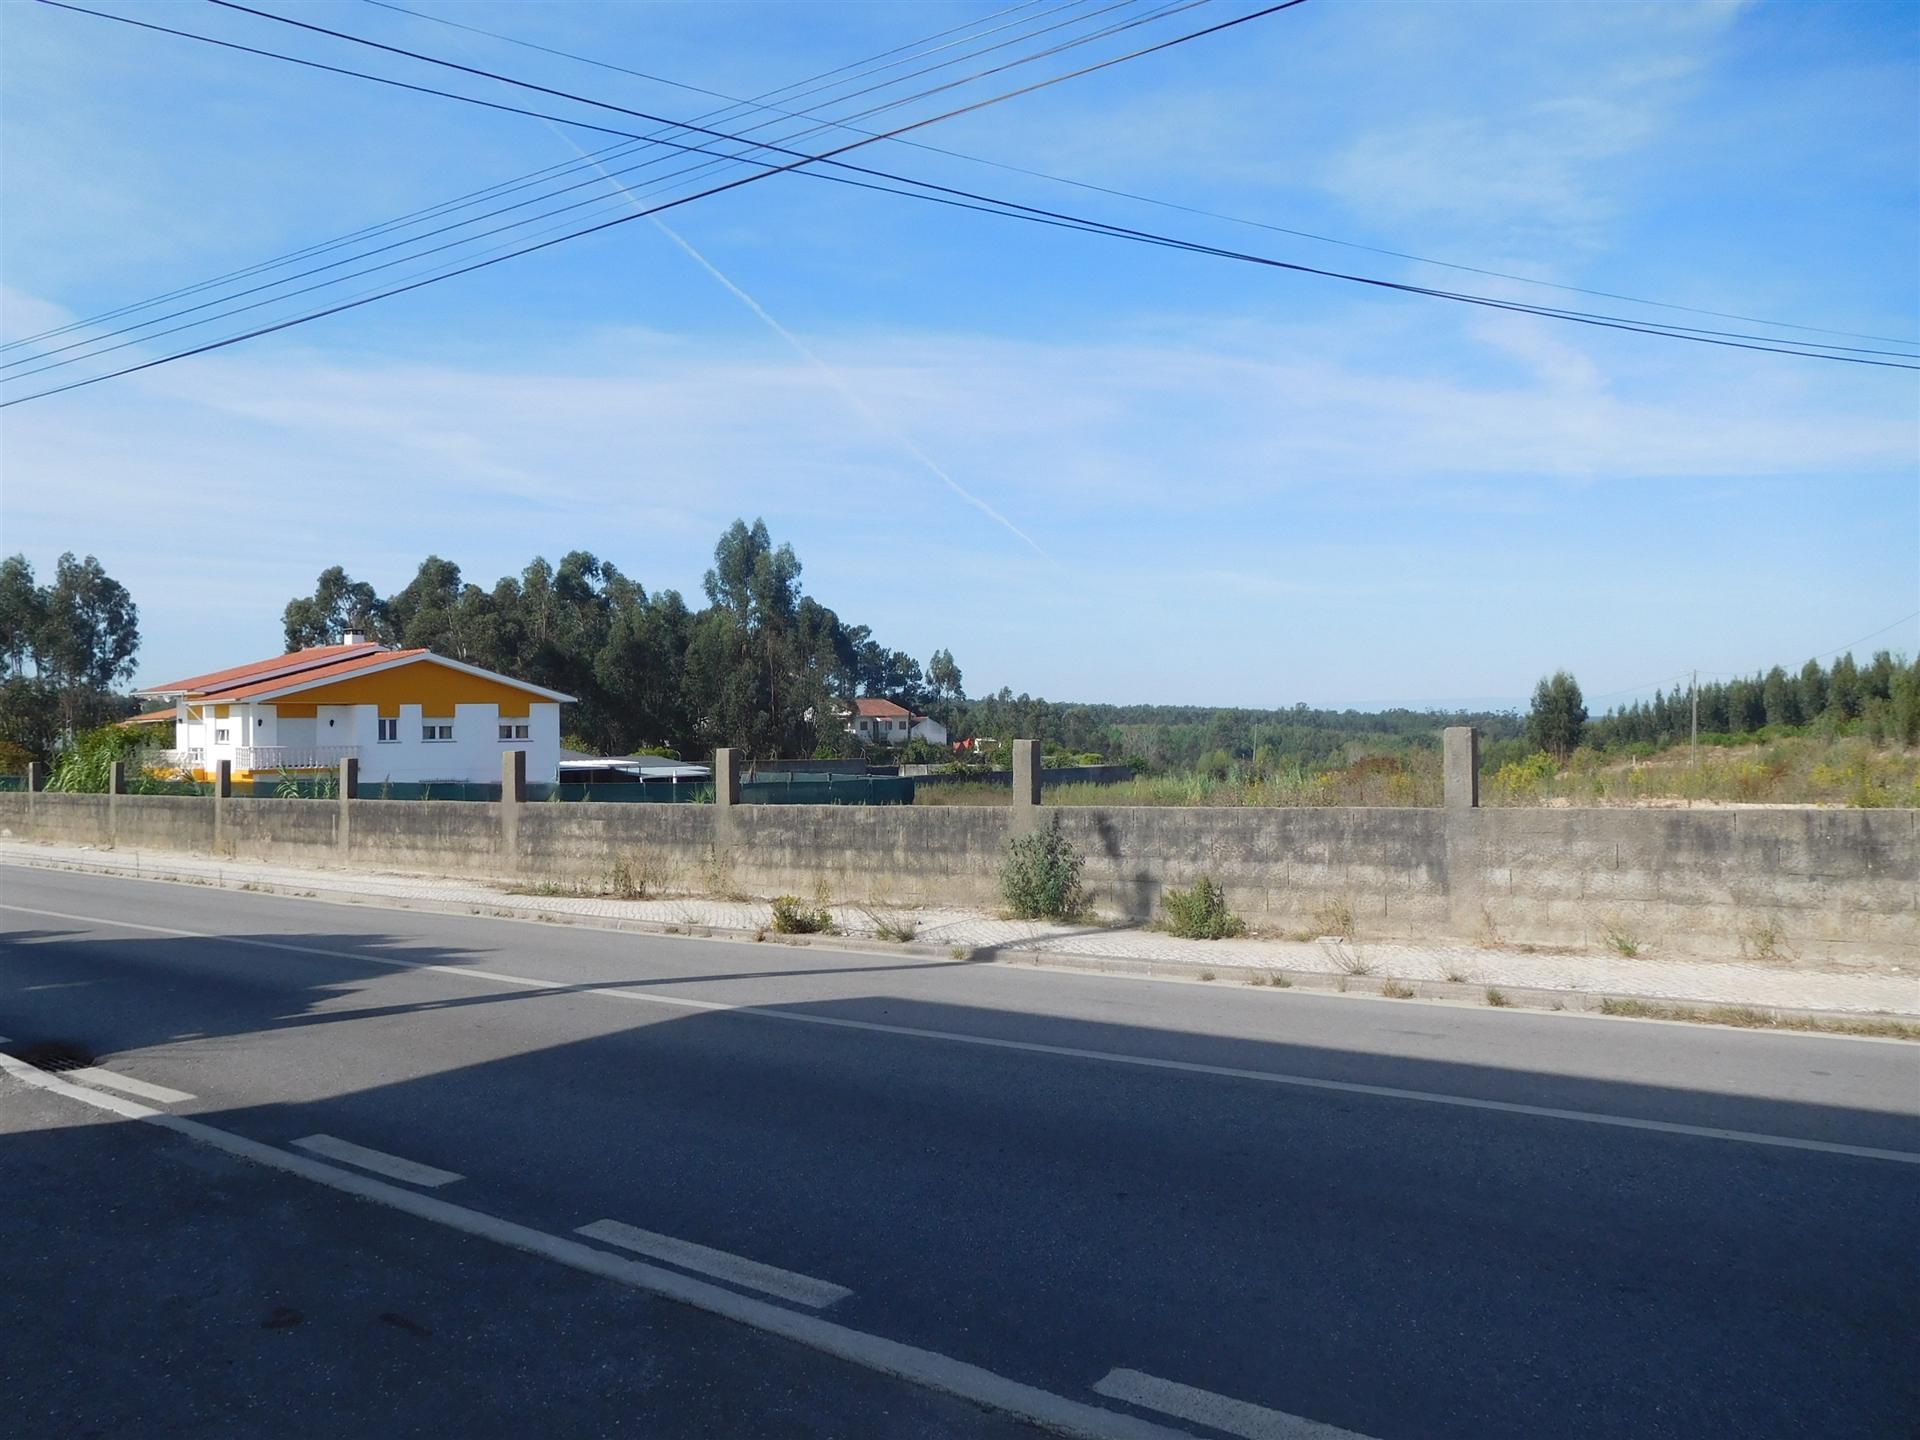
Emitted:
pixel 1782 770
pixel 1788 770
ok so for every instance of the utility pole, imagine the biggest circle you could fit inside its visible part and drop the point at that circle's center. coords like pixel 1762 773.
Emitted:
pixel 1693 756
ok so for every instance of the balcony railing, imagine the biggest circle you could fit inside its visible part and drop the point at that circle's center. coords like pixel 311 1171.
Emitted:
pixel 185 760
pixel 291 757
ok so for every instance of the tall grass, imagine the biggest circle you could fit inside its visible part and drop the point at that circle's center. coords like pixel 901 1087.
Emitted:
pixel 1369 780
pixel 1789 770
pixel 1806 769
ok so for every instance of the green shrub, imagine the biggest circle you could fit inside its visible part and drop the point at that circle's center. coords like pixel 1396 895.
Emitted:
pixel 1040 877
pixel 792 917
pixel 1200 912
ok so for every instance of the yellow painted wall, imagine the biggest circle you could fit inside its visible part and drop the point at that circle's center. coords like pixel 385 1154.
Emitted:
pixel 435 688
pixel 295 712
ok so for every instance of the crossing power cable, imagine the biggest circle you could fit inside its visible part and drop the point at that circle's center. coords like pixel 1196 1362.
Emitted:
pixel 868 65
pixel 1044 216
pixel 734 184
pixel 1768 344
pixel 1736 339
pixel 1614 322
pixel 715 159
pixel 1199 210
pixel 1809 347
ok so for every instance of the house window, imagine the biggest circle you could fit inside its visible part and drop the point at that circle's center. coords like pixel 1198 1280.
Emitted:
pixel 514 731
pixel 221 735
pixel 389 729
pixel 437 730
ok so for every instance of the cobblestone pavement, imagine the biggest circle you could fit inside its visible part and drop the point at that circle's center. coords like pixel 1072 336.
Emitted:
pixel 1704 981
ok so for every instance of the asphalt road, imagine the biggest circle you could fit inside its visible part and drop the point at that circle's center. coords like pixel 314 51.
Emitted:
pixel 1223 1210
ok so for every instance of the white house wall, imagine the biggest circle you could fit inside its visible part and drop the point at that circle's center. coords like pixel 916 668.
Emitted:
pixel 473 755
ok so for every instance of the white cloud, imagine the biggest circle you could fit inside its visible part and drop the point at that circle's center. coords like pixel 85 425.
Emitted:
pixel 1519 150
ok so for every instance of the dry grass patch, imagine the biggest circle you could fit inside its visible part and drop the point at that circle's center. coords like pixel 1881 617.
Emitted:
pixel 1746 1017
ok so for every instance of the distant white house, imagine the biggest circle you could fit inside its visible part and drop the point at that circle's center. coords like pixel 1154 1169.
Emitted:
pixel 406 715
pixel 885 723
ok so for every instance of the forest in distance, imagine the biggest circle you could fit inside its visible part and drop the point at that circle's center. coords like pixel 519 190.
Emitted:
pixel 767 668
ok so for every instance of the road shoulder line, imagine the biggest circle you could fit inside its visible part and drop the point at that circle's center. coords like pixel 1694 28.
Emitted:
pixel 910 1363
pixel 1222 1412
pixel 720 1264
pixel 378 1161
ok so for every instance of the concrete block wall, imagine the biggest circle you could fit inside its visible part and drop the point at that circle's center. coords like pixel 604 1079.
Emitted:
pixel 1833 886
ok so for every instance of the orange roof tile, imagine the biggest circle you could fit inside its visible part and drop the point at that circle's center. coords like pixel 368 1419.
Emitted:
pixel 284 665
pixel 315 675
pixel 870 706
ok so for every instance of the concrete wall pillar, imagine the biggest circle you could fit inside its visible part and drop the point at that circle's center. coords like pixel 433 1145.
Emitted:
pixel 726 777
pixel 1465 874
pixel 116 787
pixel 36 776
pixel 726 804
pixel 222 794
pixel 1025 814
pixel 513 796
pixel 346 790
pixel 1460 766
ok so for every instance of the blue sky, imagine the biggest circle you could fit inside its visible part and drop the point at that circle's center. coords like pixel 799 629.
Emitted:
pixel 1242 486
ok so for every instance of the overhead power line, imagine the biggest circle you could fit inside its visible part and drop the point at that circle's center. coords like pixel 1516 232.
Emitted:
pixel 949 195
pixel 1173 204
pixel 761 102
pixel 734 184
pixel 713 160
pixel 867 65
pixel 1614 321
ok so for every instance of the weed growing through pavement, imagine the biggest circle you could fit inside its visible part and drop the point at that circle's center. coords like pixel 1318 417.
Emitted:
pixel 1497 998
pixel 1335 917
pixel 1395 990
pixel 898 928
pixel 1200 912
pixel 792 917
pixel 1621 940
pixel 1765 940
pixel 1040 876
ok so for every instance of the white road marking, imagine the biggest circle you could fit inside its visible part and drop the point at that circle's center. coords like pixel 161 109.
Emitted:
pixel 801 1289
pixel 873 1352
pixel 377 1161
pixel 1029 1047
pixel 146 1090
pixel 1203 1407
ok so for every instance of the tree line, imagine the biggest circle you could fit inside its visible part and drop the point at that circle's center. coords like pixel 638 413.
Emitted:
pixel 1881 698
pixel 762 666
pixel 64 646
pixel 767 668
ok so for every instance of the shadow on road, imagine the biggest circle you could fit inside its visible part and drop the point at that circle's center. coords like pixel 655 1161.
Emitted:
pixel 1395 1267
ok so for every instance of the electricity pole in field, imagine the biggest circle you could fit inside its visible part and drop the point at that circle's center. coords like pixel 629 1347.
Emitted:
pixel 1693 744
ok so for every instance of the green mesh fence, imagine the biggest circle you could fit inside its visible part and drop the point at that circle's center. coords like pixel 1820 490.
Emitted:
pixel 803 788
pixel 414 790
pixel 633 793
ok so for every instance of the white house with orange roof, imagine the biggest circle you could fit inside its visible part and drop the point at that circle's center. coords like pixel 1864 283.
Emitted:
pixel 886 723
pixel 405 715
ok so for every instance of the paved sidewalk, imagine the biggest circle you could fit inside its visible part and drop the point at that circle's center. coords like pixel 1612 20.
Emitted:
pixel 1577 973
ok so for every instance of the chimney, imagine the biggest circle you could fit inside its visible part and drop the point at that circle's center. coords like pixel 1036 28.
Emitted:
pixel 354 637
